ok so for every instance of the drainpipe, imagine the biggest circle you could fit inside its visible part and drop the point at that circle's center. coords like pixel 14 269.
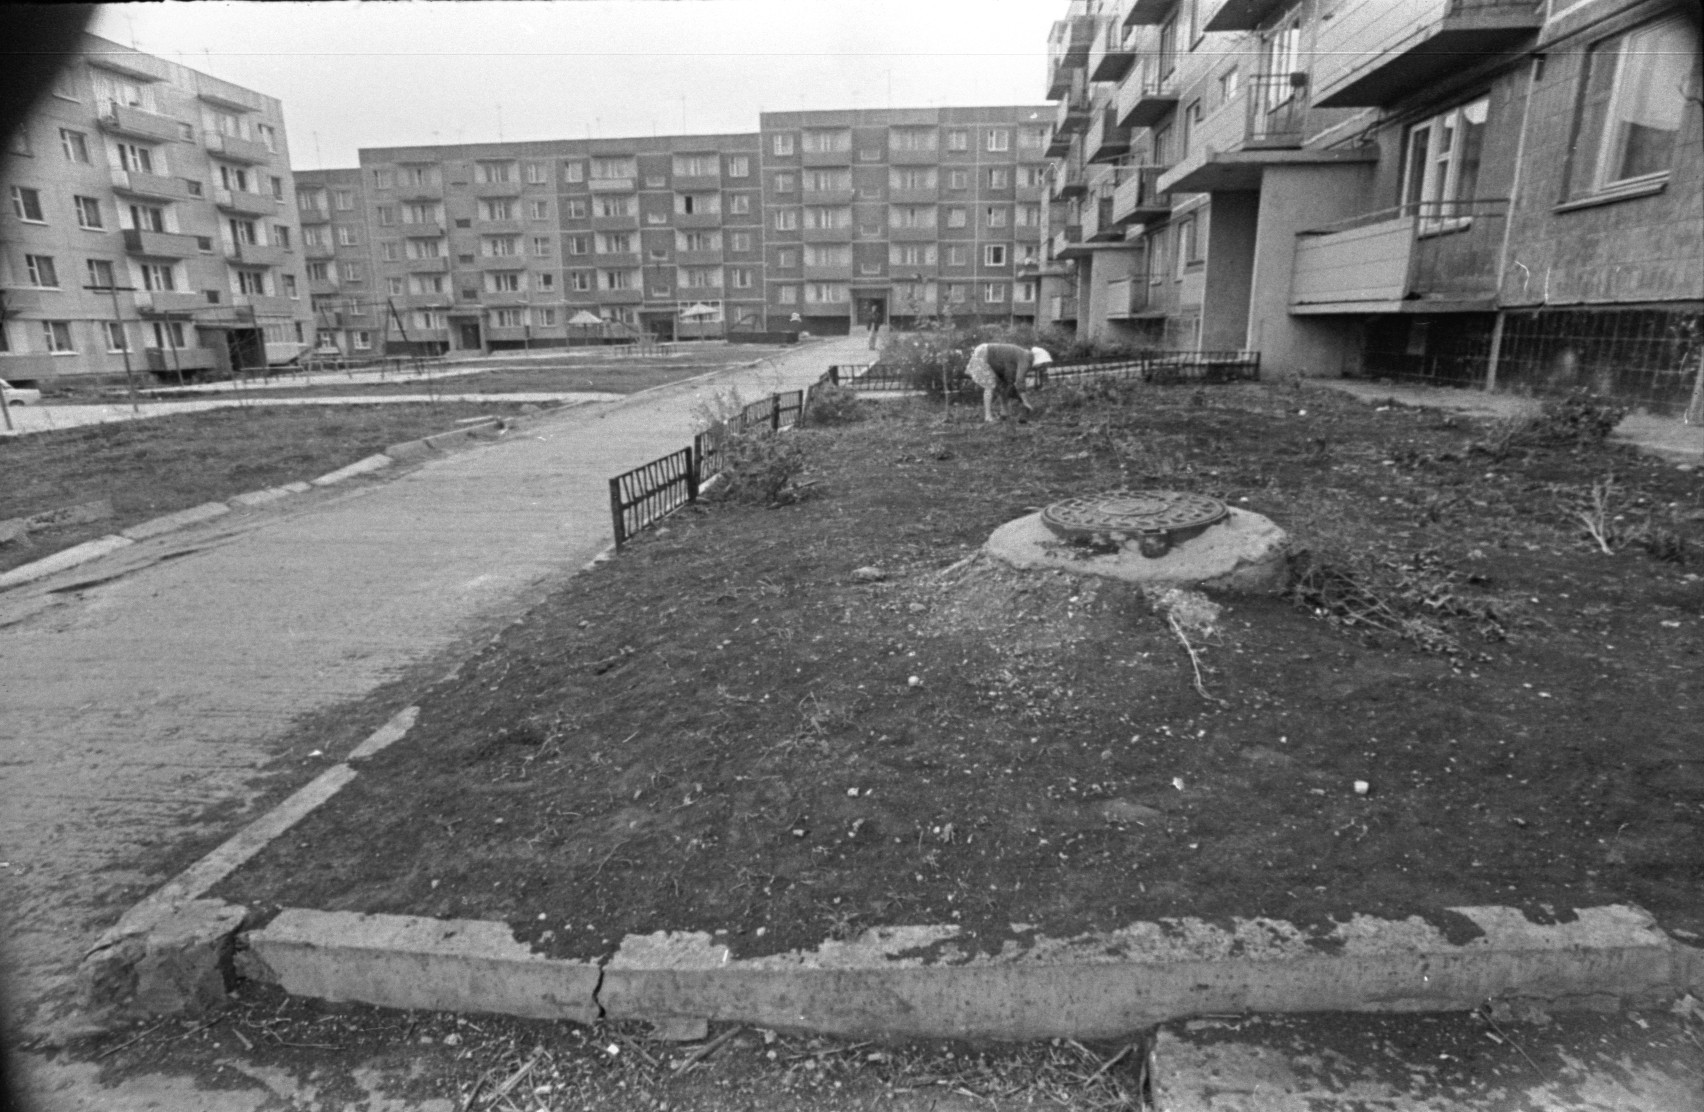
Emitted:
pixel 1509 225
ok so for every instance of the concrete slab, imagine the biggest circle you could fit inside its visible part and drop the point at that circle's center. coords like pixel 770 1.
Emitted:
pixel 260 497
pixel 400 961
pixel 1244 552
pixel 167 523
pixel 63 559
pixel 359 467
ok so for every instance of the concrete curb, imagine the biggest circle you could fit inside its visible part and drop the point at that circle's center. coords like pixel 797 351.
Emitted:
pixel 153 527
pixel 365 466
pixel 912 982
pixel 65 558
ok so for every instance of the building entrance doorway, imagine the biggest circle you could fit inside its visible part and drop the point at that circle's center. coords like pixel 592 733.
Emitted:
pixel 467 335
pixel 246 348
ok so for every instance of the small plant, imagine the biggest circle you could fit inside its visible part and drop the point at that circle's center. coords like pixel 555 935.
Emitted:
pixel 758 467
pixel 1577 420
pixel 834 405
pixel 1415 599
pixel 1597 515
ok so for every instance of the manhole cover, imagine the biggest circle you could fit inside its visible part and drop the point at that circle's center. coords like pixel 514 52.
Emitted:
pixel 1157 519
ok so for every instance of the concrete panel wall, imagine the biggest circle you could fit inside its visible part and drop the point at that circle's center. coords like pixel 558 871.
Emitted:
pixel 1232 222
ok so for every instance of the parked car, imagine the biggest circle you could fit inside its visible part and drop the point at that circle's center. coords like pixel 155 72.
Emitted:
pixel 19 395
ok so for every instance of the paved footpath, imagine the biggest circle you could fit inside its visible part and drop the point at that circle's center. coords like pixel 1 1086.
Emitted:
pixel 156 683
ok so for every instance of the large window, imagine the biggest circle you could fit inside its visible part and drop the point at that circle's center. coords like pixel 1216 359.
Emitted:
pixel 26 204
pixel 1631 103
pixel 1441 164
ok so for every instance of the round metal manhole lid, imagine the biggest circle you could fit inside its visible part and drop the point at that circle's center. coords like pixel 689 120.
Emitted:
pixel 1172 515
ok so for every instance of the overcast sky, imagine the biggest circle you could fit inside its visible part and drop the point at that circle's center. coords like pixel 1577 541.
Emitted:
pixel 362 74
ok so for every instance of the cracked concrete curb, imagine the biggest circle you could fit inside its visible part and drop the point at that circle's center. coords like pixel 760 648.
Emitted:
pixel 407 451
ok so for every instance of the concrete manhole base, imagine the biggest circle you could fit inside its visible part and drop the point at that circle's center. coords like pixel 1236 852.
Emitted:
pixel 1243 552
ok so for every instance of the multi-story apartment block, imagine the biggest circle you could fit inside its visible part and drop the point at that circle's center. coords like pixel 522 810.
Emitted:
pixel 1503 192
pixel 902 213
pixel 337 253
pixel 150 225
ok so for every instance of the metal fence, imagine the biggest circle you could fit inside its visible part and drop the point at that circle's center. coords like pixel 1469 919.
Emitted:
pixel 645 495
pixel 1160 366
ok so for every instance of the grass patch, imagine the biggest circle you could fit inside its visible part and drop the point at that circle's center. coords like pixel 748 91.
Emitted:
pixel 788 723
pixel 163 464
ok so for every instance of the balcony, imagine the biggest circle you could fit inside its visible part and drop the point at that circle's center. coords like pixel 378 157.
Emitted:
pixel 264 305
pixel 1068 44
pixel 149 185
pixel 829 196
pixel 252 204
pixel 898 156
pixel 696 183
pixel 613 185
pixel 1068 242
pixel 826 158
pixel 922 233
pixel 501 262
pixel 1265 124
pixel 1127 298
pixel 920 195
pixel 1073 112
pixel 422 229
pixel 620 297
pixel 495 227
pixel 326 285
pixel 1237 15
pixel 171 360
pixel 709 257
pixel 317 251
pixel 1106 140
pixel 828 235
pixel 616 223
pixel 435 264
pixel 692 220
pixel 616 260
pixel 1145 100
pixel 1068 180
pixel 163 245
pixel 1426 257
pixel 1098 224
pixel 1138 199
pixel 313 216
pixel 1373 54
pixel 497 188
pixel 841 272
pixel 1062 307
pixel 15 299
pixel 234 148
pixel 138 123
pixel 1109 59
pixel 256 254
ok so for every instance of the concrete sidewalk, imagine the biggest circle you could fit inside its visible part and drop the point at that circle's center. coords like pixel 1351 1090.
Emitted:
pixel 155 684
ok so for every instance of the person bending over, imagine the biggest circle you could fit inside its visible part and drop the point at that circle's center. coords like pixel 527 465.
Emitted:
pixel 1001 370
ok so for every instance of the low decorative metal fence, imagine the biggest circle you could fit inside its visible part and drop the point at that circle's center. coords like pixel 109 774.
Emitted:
pixel 1165 367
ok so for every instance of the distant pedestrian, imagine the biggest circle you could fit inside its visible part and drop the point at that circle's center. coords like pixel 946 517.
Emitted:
pixel 875 330
pixel 1001 369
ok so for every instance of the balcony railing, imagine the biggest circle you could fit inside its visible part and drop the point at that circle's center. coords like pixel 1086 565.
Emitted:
pixel 613 185
pixel 1236 15
pixel 1072 114
pixel 1098 225
pixel 138 123
pixel 1439 251
pixel 252 204
pixel 1371 55
pixel 234 148
pixel 149 185
pixel 1068 242
pixel 1068 178
pixel 1277 110
pixel 167 245
pixel 1126 298
pixel 1068 46
pixel 1146 99
pixel 1138 200
pixel 1109 58
pixel 1106 139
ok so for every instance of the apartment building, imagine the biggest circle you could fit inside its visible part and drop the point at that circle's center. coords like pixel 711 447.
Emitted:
pixel 1496 192
pixel 150 226
pixel 897 214
pixel 337 255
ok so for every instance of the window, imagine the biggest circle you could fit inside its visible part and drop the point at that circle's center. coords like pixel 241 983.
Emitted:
pixel 1163 145
pixel 826 141
pixel 700 277
pixel 958 179
pixel 1031 177
pixel 158 276
pixel 26 204
pixel 495 173
pixel 351 272
pixel 88 212
pixel 615 206
pixel 290 290
pixel 786 220
pixel 497 210
pixel 346 237
pixel 999 178
pixel 911 254
pixel 825 293
pixel 394 287
pixel 387 216
pixel 135 159
pixel 382 179
pixel 656 181
pixel 827 181
pixel 785 183
pixel 541 246
pixel 251 282
pixel 42 272
pixel 417 177
pixel 828 254
pixel 310 200
pixel 698 204
pixel 994 254
pixel 420 214
pixel 1229 83
pixel 319 272
pixel 787 295
pixel 65 87
pixel 574 172
pixel 614 169
pixel 994 292
pixel 958 293
pixel 363 340
pixel 578 245
pixel 497 246
pixel 146 218
pixel 56 337
pixel 786 260
pixel 698 241
pixel 545 280
pixel 193 186
pixel 696 166
pixel 996 216
pixel 343 200
pixel 1029 216
pixel 911 216
pixel 958 255
pixel 1190 126
pixel 739 277
pixel 911 178
pixel 100 274
pixel 426 283
pixel 998 139
pixel 739 241
pixel 957 217
pixel 538 173
pixel 958 140
pixel 1441 165
pixel 1186 248
pixel 574 208
pixel 739 166
pixel 1631 103
pixel 546 317
pixel 74 144
pixel 165 334
pixel 425 248
pixel 739 204
pixel 580 280
pixel 615 243
pixel 1023 293
pixel 503 281
pixel 110 89
pixel 540 210
pixel 783 144
pixel 618 280
pixel 1032 138
pixel 824 218
pixel 390 250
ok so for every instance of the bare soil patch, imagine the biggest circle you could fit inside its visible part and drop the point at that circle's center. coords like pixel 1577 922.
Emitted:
pixel 727 729
pixel 164 464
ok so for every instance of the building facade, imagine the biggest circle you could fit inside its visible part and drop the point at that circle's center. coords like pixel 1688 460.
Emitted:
pixel 1495 192
pixel 150 226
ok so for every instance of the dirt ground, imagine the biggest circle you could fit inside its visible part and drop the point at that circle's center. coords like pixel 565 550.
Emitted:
pixel 733 728
pixel 165 464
